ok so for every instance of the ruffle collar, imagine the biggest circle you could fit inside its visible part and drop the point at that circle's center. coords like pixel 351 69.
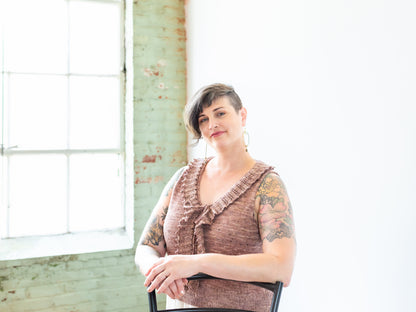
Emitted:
pixel 196 215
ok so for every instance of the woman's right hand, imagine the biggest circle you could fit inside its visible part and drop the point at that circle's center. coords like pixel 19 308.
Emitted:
pixel 176 289
pixel 148 259
pixel 169 274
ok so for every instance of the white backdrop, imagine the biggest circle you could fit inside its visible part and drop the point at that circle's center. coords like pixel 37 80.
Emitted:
pixel 330 88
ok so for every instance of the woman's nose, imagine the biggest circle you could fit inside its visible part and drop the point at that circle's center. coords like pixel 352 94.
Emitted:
pixel 212 124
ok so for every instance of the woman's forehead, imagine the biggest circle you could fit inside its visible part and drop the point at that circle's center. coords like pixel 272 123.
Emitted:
pixel 223 101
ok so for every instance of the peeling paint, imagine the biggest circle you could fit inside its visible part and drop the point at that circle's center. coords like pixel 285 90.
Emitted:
pixel 161 63
pixel 151 158
pixel 180 32
pixel 149 72
pixel 156 179
pixel 176 155
pixel 141 181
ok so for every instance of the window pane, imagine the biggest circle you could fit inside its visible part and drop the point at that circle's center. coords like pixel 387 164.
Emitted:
pixel 38 114
pixel 95 192
pixel 95 37
pixel 3 209
pixel 36 35
pixel 1 104
pixel 1 68
pixel 37 195
pixel 95 112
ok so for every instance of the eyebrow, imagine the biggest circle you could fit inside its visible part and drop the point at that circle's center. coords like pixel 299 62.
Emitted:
pixel 200 115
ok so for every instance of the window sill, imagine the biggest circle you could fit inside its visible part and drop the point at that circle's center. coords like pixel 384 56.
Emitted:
pixel 67 244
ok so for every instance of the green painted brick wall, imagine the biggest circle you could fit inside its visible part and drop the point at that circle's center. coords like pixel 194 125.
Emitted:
pixel 109 281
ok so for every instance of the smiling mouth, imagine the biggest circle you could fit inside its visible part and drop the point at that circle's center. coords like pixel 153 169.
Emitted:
pixel 215 134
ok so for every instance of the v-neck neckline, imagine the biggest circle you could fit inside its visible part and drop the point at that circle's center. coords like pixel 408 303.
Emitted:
pixel 224 195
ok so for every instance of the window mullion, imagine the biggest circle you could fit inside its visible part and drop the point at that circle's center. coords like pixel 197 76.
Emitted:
pixel 4 219
pixel 68 120
pixel 7 203
pixel 6 142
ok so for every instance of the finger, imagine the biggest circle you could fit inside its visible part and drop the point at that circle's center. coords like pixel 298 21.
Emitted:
pixel 181 287
pixel 153 274
pixel 158 262
pixel 174 289
pixel 165 284
pixel 156 283
pixel 169 293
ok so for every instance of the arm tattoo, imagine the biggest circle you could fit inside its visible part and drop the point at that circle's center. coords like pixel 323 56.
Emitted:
pixel 154 231
pixel 154 234
pixel 275 216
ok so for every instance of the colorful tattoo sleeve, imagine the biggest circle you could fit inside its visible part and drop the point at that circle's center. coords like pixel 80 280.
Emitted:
pixel 275 215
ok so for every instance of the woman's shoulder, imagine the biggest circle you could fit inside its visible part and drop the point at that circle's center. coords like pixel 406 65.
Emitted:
pixel 258 161
pixel 264 168
pixel 188 171
pixel 270 175
pixel 179 173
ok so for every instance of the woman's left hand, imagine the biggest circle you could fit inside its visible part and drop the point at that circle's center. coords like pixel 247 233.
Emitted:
pixel 167 270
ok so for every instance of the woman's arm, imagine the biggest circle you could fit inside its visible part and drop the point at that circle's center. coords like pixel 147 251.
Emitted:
pixel 152 246
pixel 276 227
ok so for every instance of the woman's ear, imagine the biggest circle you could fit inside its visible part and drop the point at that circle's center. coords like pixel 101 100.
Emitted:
pixel 243 114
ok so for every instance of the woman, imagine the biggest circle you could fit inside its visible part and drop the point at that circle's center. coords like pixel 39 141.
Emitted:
pixel 228 216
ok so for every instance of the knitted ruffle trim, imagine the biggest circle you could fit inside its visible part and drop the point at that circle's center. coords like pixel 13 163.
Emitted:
pixel 196 215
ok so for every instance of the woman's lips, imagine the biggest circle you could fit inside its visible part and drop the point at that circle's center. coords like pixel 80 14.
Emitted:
pixel 215 134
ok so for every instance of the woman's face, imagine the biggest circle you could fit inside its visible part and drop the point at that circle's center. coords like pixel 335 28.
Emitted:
pixel 221 126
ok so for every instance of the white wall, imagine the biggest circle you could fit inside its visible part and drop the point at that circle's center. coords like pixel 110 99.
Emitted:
pixel 330 90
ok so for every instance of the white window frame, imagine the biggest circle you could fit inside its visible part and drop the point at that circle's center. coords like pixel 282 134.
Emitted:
pixel 93 241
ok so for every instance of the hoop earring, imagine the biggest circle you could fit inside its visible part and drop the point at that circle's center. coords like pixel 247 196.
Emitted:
pixel 246 139
pixel 206 148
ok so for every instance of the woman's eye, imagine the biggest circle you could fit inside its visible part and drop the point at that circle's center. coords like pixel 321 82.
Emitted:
pixel 203 120
pixel 220 114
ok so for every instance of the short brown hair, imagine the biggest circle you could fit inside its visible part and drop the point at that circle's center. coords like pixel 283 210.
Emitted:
pixel 204 98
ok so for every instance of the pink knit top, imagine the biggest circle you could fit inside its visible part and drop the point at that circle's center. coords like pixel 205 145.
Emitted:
pixel 227 227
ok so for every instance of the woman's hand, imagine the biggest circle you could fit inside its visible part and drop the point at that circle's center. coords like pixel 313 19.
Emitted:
pixel 176 289
pixel 168 275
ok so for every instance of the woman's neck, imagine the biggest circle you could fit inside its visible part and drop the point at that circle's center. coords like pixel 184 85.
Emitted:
pixel 232 161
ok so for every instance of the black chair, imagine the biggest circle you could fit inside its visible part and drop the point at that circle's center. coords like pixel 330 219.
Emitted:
pixel 276 288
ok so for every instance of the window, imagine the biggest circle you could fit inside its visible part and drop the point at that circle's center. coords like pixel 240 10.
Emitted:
pixel 62 117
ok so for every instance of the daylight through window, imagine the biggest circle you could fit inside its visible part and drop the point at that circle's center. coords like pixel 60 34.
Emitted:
pixel 62 107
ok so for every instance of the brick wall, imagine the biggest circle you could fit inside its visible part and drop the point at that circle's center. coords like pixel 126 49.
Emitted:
pixel 109 281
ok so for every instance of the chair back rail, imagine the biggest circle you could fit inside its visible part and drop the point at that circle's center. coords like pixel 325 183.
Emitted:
pixel 276 288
